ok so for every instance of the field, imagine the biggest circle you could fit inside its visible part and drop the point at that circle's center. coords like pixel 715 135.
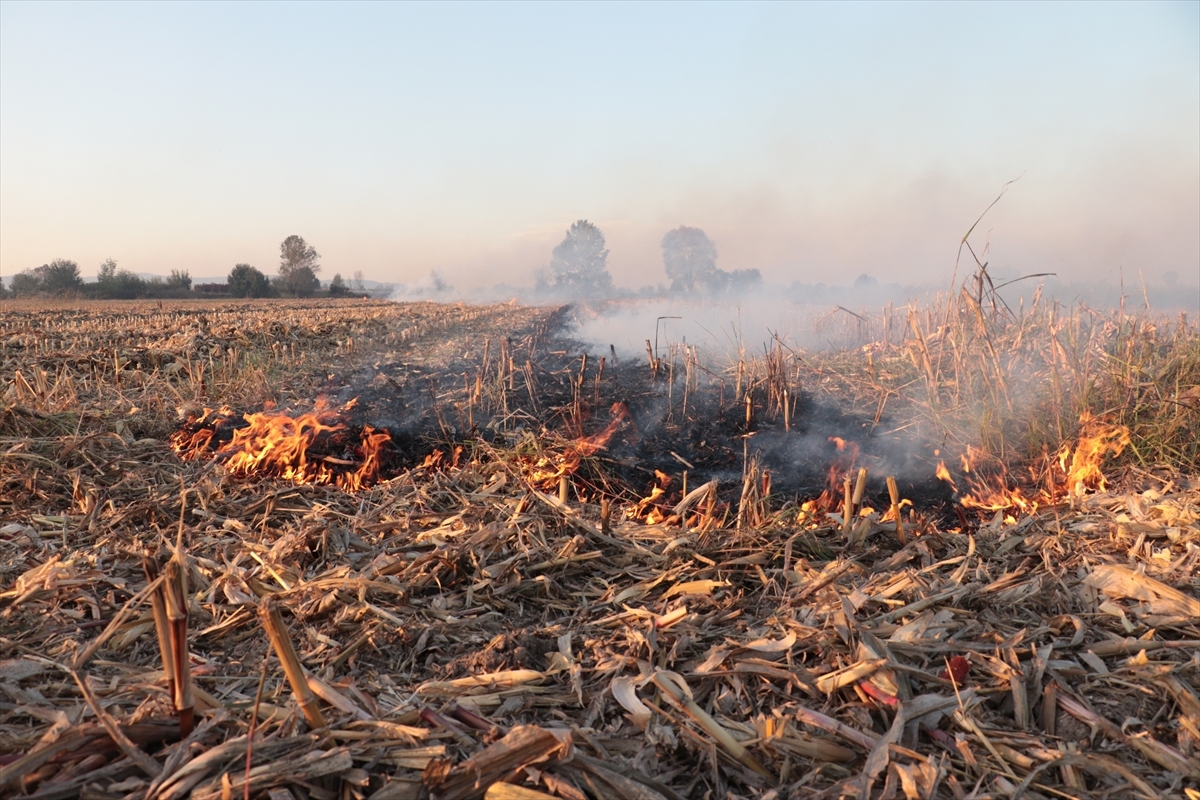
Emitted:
pixel 361 549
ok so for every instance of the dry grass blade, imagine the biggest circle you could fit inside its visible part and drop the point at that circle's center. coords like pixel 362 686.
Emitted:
pixel 700 492
pixel 86 654
pixel 18 769
pixel 605 779
pixel 193 772
pixel 490 682
pixel 849 675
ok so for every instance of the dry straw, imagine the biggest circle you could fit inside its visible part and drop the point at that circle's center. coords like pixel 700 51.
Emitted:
pixel 459 632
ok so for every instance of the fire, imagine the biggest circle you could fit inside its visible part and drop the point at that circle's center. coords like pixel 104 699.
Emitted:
pixel 1097 439
pixel 999 497
pixel 943 474
pixel 1072 473
pixel 545 471
pixel 313 448
pixel 847 456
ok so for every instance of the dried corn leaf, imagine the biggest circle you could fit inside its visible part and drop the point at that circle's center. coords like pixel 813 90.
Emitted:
pixel 1157 598
pixel 624 691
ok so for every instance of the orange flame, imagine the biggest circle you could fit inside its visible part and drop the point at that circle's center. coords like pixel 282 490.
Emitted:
pixel 280 446
pixel 545 472
pixel 943 474
pixel 1074 471
pixel 831 497
pixel 1097 439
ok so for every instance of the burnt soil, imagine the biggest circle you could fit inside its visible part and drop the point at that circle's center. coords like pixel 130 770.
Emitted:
pixel 422 399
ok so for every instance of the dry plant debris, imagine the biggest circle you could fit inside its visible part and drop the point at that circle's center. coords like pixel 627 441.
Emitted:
pixel 479 625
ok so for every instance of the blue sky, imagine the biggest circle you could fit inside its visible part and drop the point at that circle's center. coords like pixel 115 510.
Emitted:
pixel 813 142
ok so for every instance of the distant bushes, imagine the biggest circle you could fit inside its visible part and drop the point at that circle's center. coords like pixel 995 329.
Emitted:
pixel 61 278
pixel 114 284
pixel 58 277
pixel 297 278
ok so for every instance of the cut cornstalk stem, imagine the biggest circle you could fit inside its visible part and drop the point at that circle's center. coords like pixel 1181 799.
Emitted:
pixel 894 496
pixel 599 378
pixel 162 626
pixel 282 644
pixel 818 720
pixel 847 505
pixel 175 596
pixel 860 487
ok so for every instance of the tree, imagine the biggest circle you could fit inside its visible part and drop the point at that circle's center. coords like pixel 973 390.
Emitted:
pixel 301 282
pixel 358 285
pixel 690 259
pixel 117 284
pixel 124 285
pixel 180 279
pixel 25 282
pixel 580 262
pixel 338 287
pixel 60 276
pixel 298 266
pixel 246 281
pixel 742 279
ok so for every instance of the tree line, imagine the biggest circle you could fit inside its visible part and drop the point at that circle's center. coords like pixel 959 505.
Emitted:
pixel 299 264
pixel 579 264
pixel 61 278
pixel 578 268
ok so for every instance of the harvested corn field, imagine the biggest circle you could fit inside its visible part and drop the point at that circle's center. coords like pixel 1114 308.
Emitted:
pixel 377 550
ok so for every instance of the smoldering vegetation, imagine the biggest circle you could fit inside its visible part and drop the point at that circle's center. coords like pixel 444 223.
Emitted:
pixel 717 340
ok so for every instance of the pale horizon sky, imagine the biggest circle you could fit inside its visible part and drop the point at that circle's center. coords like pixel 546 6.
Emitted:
pixel 814 142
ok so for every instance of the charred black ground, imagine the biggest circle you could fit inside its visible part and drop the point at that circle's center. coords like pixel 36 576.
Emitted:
pixel 556 386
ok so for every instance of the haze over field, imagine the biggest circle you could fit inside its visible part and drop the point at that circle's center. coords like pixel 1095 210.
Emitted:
pixel 812 142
